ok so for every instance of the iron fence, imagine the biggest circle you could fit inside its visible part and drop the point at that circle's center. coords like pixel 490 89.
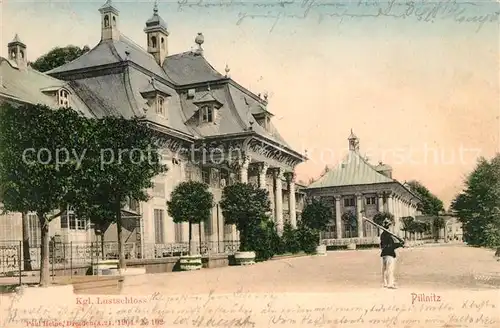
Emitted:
pixel 73 255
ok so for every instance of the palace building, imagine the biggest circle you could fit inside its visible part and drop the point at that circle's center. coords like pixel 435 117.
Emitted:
pixel 356 188
pixel 185 99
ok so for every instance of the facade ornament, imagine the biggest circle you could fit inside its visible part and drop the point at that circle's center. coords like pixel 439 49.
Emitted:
pixel 199 40
pixel 277 173
pixel 266 95
pixel 227 70
pixel 290 176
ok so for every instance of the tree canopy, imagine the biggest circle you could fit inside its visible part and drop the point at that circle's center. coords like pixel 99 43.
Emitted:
pixel 192 202
pixel 316 215
pixel 119 164
pixel 33 175
pixel 430 203
pixel 57 57
pixel 246 206
pixel 478 205
pixel 50 159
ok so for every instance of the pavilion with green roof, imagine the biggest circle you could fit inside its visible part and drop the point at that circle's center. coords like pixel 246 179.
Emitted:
pixel 356 188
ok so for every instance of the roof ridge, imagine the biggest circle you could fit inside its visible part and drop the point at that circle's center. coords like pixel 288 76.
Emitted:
pixel 74 60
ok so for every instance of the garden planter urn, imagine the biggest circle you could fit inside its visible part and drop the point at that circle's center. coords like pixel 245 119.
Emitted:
pixel 321 250
pixel 190 262
pixel 244 258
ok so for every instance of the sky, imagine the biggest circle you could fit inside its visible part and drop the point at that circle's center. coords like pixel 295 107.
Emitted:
pixel 417 82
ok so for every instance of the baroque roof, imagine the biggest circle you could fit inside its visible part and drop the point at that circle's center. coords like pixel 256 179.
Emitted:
pixel 355 170
pixel 113 77
pixel 28 86
pixel 352 170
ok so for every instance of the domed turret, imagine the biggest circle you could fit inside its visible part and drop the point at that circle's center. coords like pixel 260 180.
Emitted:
pixel 157 33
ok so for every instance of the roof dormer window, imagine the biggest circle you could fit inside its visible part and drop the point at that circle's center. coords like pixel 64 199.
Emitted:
pixel 160 105
pixel 63 98
pixel 264 120
pixel 207 114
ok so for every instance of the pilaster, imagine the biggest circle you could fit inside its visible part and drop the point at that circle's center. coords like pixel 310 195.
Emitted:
pixel 338 217
pixel 290 178
pixel 278 200
pixel 380 202
pixel 359 204
pixel 262 169
pixel 243 169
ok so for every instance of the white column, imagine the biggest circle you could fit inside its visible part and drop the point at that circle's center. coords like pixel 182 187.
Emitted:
pixel 359 204
pixel 290 179
pixel 380 202
pixel 390 207
pixel 278 200
pixel 243 168
pixel 338 217
pixel 263 175
pixel 243 175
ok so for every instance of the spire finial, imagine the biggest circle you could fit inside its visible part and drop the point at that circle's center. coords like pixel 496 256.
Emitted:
pixel 227 70
pixel 155 8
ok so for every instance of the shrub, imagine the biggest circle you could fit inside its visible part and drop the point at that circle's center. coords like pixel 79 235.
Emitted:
pixel 308 239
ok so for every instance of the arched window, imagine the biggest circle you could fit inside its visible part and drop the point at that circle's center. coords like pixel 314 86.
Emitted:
pixel 153 41
pixel 114 21
pixel 106 21
pixel 162 43
pixel 22 54
pixel 13 54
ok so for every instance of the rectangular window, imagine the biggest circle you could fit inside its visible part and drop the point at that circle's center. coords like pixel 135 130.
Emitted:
pixel 348 202
pixel 205 174
pixel 34 230
pixel 371 201
pixel 158 218
pixel 224 178
pixel 179 231
pixel 160 106
pixel 207 114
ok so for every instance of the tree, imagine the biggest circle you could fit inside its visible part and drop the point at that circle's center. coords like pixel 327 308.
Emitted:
pixel 380 217
pixel 430 203
pixel 438 223
pixel 121 160
pixel 246 206
pixel 191 202
pixel 478 205
pixel 31 178
pixel 350 221
pixel 101 215
pixel 316 215
pixel 26 243
pixel 408 225
pixel 57 57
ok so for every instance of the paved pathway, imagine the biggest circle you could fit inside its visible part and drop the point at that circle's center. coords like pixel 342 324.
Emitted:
pixel 446 267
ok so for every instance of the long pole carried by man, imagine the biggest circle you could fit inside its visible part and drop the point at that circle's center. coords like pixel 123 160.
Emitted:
pixel 388 254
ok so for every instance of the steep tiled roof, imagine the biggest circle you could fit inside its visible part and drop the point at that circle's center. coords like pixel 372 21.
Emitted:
pixel 114 101
pixel 352 170
pixel 190 67
pixel 26 85
pixel 176 119
pixel 245 106
pixel 227 120
pixel 109 52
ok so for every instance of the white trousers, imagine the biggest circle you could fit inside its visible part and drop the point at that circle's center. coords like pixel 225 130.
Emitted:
pixel 388 267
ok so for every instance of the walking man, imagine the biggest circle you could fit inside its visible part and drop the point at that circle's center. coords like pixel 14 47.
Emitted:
pixel 388 254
